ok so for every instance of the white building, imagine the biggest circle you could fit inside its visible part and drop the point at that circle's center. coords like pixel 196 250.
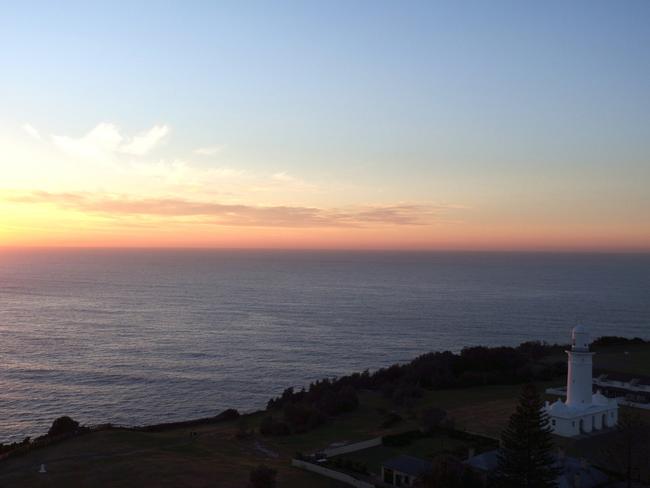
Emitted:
pixel 583 411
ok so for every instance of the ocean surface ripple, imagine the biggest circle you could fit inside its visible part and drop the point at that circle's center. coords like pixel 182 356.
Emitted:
pixel 135 337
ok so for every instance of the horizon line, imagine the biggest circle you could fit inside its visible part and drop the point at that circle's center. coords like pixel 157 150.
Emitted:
pixel 333 250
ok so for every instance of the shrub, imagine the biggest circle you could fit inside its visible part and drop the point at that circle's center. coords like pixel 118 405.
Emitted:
pixel 229 414
pixel 303 417
pixel 270 426
pixel 391 419
pixel 63 425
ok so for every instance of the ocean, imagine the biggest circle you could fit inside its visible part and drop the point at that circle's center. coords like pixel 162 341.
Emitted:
pixel 146 336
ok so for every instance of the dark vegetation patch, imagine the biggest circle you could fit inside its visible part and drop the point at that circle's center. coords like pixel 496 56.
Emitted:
pixel 606 341
pixel 403 384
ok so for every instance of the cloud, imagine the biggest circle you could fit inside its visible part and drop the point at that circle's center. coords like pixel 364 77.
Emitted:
pixel 237 214
pixel 209 150
pixel 144 142
pixel 106 140
pixel 31 131
pixel 100 142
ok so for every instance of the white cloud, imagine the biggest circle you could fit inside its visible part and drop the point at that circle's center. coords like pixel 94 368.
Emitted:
pixel 99 143
pixel 106 140
pixel 209 150
pixel 145 141
pixel 29 129
pixel 112 159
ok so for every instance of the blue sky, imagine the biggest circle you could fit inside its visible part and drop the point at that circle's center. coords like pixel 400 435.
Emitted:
pixel 462 103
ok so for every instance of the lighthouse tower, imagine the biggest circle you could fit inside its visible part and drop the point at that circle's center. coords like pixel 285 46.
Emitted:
pixel 579 376
pixel 583 412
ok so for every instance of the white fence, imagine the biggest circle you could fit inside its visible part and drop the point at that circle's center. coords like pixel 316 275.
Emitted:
pixel 357 446
pixel 330 473
pixel 628 403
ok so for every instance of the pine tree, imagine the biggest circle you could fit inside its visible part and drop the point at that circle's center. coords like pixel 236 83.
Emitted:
pixel 526 458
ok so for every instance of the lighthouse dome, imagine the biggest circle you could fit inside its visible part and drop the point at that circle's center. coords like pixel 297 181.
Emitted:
pixel 580 338
pixel 579 329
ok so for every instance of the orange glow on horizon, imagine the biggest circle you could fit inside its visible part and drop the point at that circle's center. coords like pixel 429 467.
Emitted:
pixel 57 229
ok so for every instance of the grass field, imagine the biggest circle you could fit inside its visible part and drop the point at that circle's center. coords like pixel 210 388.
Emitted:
pixel 216 457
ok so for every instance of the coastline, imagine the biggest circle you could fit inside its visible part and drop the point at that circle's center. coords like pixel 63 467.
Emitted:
pixel 531 348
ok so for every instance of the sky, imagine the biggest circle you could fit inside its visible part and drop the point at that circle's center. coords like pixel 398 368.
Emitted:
pixel 330 125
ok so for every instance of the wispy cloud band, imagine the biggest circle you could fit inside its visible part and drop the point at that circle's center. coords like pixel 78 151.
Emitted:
pixel 238 214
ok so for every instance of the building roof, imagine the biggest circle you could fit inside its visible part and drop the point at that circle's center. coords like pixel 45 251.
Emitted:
pixel 408 464
pixel 572 469
pixel 487 461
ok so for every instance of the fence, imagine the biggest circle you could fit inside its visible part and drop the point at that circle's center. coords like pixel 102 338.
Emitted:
pixel 330 473
pixel 357 446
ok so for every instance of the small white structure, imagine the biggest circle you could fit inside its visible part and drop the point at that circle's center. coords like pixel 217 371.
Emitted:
pixel 583 412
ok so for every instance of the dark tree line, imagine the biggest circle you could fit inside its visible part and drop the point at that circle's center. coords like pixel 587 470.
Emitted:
pixel 617 341
pixel 301 410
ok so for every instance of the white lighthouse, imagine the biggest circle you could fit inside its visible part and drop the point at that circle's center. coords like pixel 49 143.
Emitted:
pixel 579 374
pixel 584 411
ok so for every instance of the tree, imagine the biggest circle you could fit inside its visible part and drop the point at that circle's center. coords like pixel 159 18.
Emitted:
pixel 262 477
pixel 526 457
pixel 63 425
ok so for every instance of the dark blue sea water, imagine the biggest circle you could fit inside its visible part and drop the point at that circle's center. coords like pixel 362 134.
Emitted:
pixel 148 336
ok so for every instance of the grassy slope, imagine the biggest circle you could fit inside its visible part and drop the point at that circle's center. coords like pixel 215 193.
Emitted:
pixel 217 458
pixel 172 459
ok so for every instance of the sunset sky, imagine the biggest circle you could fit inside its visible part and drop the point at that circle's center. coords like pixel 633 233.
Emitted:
pixel 382 125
